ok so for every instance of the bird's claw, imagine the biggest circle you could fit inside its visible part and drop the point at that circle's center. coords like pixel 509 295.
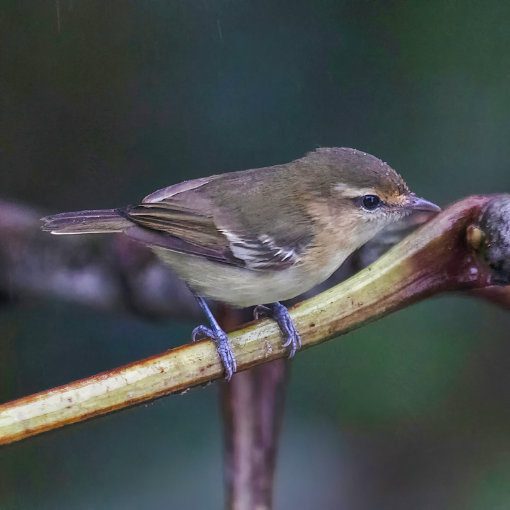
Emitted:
pixel 220 339
pixel 289 331
pixel 201 332
pixel 280 314
pixel 261 311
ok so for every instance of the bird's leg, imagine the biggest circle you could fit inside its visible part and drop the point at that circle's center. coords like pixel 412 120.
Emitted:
pixel 281 315
pixel 218 336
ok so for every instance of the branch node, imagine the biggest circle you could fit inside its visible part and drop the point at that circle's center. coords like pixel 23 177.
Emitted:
pixel 495 245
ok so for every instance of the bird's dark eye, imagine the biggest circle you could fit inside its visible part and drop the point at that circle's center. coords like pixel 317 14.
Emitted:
pixel 370 202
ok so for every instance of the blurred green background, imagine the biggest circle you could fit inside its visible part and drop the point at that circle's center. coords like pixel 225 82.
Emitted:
pixel 102 102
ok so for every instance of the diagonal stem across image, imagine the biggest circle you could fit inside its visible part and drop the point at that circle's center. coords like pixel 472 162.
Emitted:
pixel 464 247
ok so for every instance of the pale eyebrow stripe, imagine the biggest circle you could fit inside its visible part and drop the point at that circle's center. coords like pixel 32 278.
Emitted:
pixel 350 192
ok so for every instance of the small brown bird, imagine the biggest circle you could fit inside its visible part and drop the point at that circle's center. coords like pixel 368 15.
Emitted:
pixel 260 236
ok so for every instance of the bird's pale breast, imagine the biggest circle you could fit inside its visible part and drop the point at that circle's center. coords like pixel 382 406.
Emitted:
pixel 243 287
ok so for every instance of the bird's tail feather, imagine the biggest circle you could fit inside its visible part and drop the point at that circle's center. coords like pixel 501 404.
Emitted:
pixel 86 222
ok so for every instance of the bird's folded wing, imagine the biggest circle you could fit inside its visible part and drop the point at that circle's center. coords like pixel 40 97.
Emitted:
pixel 179 228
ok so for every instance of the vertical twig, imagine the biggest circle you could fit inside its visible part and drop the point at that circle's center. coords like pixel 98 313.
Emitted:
pixel 253 405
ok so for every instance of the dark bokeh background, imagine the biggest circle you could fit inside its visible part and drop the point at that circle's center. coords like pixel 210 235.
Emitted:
pixel 101 102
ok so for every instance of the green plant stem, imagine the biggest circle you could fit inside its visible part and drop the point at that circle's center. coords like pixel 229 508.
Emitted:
pixel 435 258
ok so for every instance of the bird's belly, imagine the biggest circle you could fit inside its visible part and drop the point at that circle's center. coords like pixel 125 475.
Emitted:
pixel 244 287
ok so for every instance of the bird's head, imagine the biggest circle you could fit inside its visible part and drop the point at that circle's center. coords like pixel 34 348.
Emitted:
pixel 363 193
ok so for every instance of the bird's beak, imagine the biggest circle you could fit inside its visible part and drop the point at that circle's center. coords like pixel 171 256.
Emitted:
pixel 420 204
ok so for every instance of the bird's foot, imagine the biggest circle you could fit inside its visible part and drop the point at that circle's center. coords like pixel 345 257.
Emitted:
pixel 281 315
pixel 220 339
